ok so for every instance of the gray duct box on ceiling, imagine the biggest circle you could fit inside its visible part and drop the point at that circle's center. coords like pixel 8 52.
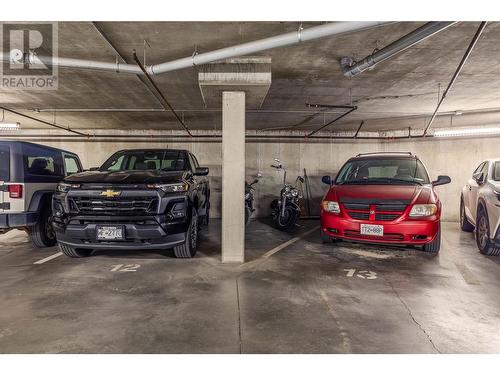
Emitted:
pixel 249 74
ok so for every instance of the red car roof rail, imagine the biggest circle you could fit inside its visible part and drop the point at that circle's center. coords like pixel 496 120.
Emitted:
pixel 385 153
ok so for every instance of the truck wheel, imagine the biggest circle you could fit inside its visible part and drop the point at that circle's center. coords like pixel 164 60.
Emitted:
pixel 42 233
pixel 465 224
pixel 483 234
pixel 435 244
pixel 74 253
pixel 188 248
pixel 205 219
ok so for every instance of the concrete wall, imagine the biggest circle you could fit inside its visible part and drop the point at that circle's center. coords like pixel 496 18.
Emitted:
pixel 456 157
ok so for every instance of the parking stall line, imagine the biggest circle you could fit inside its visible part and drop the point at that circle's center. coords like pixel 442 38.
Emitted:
pixel 49 258
pixel 288 243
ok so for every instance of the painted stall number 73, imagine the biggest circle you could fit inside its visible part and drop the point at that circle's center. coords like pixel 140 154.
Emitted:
pixel 369 275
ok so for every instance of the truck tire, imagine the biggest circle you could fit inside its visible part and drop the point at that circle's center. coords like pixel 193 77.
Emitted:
pixel 74 253
pixel 206 219
pixel 42 234
pixel 483 241
pixel 465 224
pixel 188 248
pixel 435 244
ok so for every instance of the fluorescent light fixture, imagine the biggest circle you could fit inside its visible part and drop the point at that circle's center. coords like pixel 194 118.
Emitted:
pixel 9 125
pixel 463 132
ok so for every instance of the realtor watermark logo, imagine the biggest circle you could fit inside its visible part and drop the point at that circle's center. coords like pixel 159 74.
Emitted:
pixel 28 51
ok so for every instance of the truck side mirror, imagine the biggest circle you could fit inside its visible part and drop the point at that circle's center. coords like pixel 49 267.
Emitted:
pixel 201 171
pixel 326 180
pixel 442 180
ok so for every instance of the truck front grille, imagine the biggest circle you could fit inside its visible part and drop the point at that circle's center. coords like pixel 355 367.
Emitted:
pixel 121 206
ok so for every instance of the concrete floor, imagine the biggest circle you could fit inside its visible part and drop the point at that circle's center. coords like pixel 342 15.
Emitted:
pixel 305 298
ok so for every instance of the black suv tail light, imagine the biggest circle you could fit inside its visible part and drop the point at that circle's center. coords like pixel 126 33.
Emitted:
pixel 15 191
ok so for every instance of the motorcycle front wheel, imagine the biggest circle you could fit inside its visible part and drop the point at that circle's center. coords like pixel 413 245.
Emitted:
pixel 248 212
pixel 288 220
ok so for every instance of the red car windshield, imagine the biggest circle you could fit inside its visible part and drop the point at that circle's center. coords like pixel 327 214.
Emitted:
pixel 399 171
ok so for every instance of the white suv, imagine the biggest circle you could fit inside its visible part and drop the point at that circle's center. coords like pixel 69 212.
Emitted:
pixel 480 206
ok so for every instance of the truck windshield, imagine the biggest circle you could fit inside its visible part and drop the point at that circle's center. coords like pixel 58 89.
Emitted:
pixel 399 171
pixel 136 160
pixel 4 163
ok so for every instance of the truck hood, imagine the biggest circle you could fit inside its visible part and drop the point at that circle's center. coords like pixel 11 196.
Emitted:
pixel 373 193
pixel 127 177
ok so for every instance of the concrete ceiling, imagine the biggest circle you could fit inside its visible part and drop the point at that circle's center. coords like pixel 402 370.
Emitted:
pixel 398 93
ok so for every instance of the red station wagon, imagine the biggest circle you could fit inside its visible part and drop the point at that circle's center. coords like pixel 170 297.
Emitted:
pixel 384 198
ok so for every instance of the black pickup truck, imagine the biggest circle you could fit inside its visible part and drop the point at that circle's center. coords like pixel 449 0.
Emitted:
pixel 138 199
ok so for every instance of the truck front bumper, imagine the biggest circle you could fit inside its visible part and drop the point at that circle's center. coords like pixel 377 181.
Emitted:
pixel 137 235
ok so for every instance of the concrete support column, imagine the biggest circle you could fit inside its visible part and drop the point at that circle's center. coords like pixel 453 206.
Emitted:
pixel 233 176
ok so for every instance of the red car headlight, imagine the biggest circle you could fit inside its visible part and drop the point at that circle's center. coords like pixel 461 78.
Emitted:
pixel 331 206
pixel 423 210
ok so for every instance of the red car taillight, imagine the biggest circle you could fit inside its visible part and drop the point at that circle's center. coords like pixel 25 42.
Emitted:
pixel 15 191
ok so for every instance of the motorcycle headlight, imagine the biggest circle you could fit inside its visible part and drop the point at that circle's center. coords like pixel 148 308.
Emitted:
pixel 171 188
pixel 331 206
pixel 423 210
pixel 63 187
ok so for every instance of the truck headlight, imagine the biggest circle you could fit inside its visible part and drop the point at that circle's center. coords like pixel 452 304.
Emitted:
pixel 423 210
pixel 331 206
pixel 63 187
pixel 171 188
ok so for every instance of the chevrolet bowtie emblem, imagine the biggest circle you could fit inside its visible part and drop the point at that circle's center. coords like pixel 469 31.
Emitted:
pixel 110 193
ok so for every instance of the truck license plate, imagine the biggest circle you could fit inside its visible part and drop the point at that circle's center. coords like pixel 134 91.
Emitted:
pixel 372 230
pixel 108 232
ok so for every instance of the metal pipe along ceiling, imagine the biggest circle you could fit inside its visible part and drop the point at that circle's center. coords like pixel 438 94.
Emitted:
pixel 351 68
pixel 287 39
pixel 294 37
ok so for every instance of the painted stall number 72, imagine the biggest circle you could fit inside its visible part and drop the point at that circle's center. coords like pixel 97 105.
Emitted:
pixel 125 267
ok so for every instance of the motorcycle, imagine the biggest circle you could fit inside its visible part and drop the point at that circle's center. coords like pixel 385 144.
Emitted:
pixel 285 211
pixel 249 198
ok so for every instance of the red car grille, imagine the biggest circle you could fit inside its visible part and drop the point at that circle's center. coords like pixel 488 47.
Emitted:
pixel 379 211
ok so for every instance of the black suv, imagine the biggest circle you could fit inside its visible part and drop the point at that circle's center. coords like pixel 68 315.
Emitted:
pixel 138 199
